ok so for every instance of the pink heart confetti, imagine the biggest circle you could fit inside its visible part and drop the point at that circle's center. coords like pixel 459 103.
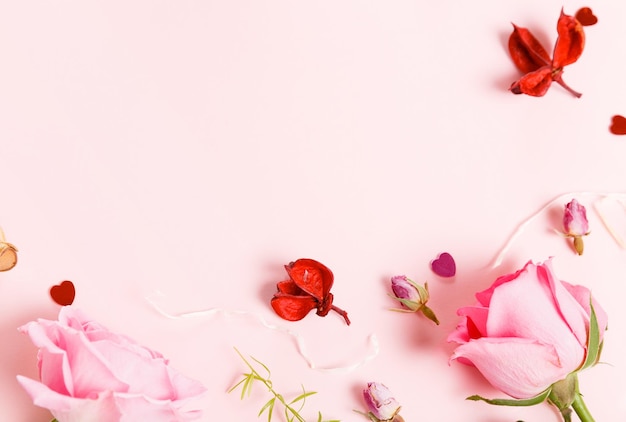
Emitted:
pixel 444 265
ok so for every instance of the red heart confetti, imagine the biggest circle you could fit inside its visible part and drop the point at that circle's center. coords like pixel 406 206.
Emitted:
pixel 618 125
pixel 586 17
pixel 444 265
pixel 63 293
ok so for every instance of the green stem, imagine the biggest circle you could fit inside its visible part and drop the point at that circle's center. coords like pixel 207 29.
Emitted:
pixel 280 398
pixel 567 415
pixel 268 384
pixel 581 409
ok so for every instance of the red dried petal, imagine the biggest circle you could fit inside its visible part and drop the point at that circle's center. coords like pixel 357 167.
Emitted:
pixel 534 83
pixel 526 51
pixel 311 276
pixel 570 43
pixel 290 288
pixel 292 308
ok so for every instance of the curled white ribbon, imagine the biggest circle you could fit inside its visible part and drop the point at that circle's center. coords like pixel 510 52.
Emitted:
pixel 300 343
pixel 601 197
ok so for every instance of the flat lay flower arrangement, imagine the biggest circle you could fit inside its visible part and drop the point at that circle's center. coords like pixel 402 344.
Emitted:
pixel 529 334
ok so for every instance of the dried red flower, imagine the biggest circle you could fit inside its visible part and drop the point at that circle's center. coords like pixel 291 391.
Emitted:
pixel 533 60
pixel 308 288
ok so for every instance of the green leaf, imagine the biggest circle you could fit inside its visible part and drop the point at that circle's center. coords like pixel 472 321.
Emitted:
pixel 269 374
pixel 246 390
pixel 302 396
pixel 423 292
pixel 412 305
pixel 600 351
pixel 270 408
pixel 514 402
pixel 368 415
pixel 593 340
pixel 230 391
pixel 428 313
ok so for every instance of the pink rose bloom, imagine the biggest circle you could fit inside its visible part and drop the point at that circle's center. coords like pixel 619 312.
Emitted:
pixel 528 331
pixel 90 374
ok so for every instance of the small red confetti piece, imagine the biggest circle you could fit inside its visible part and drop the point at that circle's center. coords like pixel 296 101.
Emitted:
pixel 618 125
pixel 586 17
pixel 63 293
pixel 444 265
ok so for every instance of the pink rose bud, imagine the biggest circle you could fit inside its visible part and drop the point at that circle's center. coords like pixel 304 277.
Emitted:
pixel 412 296
pixel 575 224
pixel 405 289
pixel 380 403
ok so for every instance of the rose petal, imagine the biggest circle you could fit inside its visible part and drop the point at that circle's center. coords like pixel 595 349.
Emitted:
pixel 63 369
pixel 138 407
pixel 525 308
pixel 521 368
pixel 70 409
pixel 572 313
pixel 484 297
pixel 582 295
pixel 474 325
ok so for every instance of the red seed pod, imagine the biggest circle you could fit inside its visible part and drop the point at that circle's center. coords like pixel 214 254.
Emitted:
pixel 308 288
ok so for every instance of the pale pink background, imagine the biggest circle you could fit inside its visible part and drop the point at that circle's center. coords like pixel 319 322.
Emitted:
pixel 192 148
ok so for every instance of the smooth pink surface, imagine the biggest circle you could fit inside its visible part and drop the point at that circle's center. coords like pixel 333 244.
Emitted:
pixel 195 148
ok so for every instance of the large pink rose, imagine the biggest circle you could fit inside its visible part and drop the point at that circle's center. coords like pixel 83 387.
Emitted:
pixel 528 331
pixel 90 374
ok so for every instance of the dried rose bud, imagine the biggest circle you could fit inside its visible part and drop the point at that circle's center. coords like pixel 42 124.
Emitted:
pixel 576 224
pixel 403 288
pixel 412 296
pixel 8 254
pixel 380 403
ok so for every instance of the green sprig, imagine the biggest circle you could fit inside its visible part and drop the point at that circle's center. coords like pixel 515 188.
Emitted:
pixel 291 413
